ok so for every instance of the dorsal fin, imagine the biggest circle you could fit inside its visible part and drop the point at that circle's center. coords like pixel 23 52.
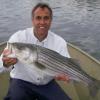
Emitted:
pixel 75 63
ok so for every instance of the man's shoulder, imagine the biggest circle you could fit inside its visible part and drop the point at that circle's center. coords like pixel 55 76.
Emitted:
pixel 56 37
pixel 20 34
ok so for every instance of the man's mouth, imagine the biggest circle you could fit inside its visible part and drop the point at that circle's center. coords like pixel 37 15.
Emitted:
pixel 42 27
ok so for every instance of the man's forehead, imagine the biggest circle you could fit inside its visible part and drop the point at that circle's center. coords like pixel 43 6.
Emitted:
pixel 42 10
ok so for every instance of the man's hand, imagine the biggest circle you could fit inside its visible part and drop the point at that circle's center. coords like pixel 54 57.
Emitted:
pixel 7 61
pixel 62 77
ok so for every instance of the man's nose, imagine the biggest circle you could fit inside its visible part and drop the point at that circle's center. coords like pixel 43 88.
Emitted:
pixel 42 21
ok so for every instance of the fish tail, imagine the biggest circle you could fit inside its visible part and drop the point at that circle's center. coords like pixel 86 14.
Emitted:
pixel 94 87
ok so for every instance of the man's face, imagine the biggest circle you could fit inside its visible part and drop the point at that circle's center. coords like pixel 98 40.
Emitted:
pixel 41 21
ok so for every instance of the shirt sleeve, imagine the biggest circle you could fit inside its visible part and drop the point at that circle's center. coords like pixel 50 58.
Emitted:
pixel 60 45
pixel 65 51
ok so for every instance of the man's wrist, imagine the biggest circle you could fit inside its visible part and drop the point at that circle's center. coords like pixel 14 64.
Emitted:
pixel 6 65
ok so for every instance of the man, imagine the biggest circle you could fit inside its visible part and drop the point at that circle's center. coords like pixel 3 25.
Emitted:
pixel 26 83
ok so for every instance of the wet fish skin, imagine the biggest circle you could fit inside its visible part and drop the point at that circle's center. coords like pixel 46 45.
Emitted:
pixel 31 53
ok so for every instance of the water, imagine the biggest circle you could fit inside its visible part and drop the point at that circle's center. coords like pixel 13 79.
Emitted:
pixel 77 21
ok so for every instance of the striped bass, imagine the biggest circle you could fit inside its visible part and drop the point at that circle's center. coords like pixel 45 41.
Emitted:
pixel 48 59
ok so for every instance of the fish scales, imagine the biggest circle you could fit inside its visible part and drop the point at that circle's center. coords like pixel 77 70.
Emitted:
pixel 59 60
pixel 58 65
pixel 51 66
pixel 62 59
pixel 51 61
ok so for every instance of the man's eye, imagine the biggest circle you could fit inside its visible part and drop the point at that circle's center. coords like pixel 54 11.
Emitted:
pixel 38 17
pixel 46 17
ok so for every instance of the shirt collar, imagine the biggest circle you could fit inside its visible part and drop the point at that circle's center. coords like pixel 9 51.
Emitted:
pixel 35 39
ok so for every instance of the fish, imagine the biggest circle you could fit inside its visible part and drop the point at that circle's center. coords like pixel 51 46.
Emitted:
pixel 45 58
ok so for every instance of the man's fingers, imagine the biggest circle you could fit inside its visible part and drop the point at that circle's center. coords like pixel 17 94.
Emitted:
pixel 6 52
pixel 63 77
pixel 9 61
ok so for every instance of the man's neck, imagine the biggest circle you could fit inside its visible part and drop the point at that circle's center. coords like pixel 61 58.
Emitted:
pixel 40 38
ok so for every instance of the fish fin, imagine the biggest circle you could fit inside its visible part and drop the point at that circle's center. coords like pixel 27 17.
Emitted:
pixel 75 62
pixel 94 87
